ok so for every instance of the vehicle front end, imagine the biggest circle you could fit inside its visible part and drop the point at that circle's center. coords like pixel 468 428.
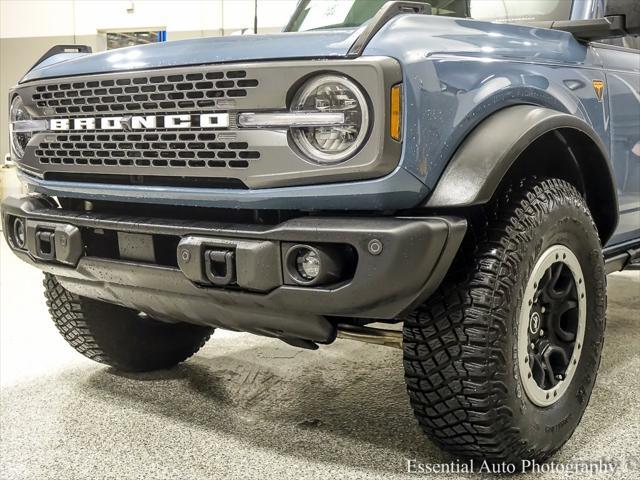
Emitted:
pixel 263 196
pixel 382 162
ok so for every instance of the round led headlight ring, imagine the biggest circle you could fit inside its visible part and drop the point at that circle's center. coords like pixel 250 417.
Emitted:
pixel 19 140
pixel 330 144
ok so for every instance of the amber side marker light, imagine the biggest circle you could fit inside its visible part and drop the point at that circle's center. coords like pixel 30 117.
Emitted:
pixel 396 112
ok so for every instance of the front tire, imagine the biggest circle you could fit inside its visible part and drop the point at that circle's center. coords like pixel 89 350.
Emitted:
pixel 470 374
pixel 118 336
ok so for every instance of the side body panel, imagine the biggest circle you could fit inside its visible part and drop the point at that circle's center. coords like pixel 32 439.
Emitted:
pixel 461 71
pixel 458 72
pixel 622 74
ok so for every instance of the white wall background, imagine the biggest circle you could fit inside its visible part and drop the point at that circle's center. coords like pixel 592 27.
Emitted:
pixel 48 18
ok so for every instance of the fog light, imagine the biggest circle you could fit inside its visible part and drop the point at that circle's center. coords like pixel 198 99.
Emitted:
pixel 19 233
pixel 307 264
pixel 312 265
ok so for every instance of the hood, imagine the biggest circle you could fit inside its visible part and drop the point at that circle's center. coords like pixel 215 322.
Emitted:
pixel 282 46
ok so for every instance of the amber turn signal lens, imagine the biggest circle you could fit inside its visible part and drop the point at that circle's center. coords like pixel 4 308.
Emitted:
pixel 396 112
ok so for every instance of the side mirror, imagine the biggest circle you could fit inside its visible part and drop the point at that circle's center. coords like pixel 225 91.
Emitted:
pixel 621 18
pixel 629 10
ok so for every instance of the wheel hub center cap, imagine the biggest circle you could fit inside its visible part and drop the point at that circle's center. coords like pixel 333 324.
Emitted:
pixel 534 323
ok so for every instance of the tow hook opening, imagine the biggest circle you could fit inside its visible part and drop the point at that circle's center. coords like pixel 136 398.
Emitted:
pixel 45 244
pixel 45 241
pixel 220 267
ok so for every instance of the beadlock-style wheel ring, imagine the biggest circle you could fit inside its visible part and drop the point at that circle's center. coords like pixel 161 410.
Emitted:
pixel 551 325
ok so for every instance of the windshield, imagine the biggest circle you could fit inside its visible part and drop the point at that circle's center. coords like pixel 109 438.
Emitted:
pixel 324 14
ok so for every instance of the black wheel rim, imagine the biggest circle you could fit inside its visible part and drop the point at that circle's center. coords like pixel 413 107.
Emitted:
pixel 552 324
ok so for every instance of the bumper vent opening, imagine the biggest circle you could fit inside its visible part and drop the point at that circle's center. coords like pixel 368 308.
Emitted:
pixel 148 180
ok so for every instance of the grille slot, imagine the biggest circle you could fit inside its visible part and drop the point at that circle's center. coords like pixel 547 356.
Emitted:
pixel 148 180
pixel 166 149
pixel 150 92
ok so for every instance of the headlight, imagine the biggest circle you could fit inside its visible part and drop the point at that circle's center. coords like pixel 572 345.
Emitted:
pixel 328 144
pixel 19 139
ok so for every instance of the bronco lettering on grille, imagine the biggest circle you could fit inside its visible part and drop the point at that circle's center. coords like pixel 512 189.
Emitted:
pixel 205 120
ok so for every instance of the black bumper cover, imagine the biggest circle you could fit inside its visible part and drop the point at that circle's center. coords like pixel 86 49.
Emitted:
pixel 416 255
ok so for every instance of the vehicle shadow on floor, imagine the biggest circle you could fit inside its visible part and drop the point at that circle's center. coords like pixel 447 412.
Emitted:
pixel 349 409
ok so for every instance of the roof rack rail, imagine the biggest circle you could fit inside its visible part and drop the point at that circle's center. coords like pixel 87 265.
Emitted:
pixel 386 13
pixel 58 49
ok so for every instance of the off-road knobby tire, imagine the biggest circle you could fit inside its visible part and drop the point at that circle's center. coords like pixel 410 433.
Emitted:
pixel 118 336
pixel 460 347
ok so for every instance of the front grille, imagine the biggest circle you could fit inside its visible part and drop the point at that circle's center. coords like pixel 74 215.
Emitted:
pixel 144 92
pixel 166 149
pixel 128 138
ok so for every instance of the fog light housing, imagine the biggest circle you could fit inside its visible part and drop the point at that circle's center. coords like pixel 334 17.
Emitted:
pixel 314 265
pixel 19 233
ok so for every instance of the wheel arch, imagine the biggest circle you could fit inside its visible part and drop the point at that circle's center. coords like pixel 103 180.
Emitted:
pixel 531 141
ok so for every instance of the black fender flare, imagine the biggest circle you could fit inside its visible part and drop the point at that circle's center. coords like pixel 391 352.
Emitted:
pixel 485 156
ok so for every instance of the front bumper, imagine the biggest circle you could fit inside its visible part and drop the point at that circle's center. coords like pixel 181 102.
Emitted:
pixel 416 253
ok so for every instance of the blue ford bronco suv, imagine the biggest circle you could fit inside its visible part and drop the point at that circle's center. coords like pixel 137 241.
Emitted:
pixel 467 169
